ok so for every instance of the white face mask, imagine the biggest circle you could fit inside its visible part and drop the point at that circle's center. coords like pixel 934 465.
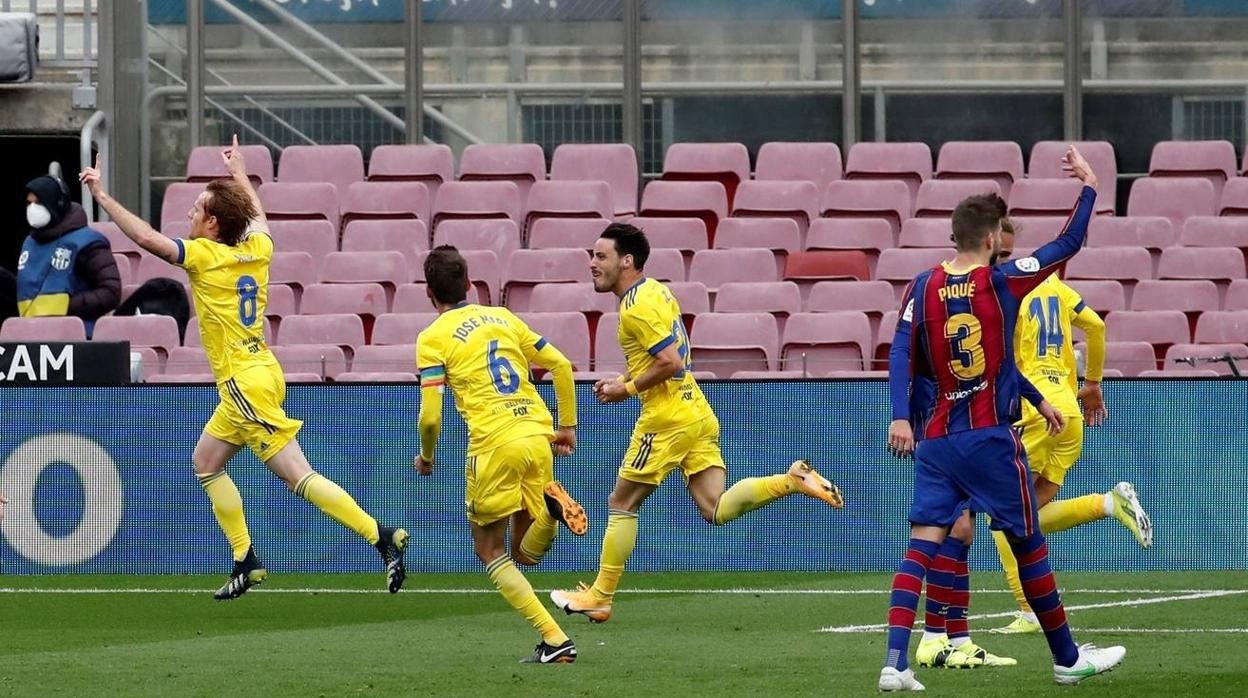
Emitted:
pixel 37 215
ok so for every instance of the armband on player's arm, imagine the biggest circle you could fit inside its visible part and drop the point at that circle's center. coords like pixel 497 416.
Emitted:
pixel 430 424
pixel 1029 391
pixel 1093 327
pixel 553 360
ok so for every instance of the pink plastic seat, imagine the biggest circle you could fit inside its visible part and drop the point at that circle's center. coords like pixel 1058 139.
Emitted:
pixel 566 233
pixel 819 163
pixel 300 201
pixel 407 237
pixel 567 331
pixel 1236 295
pixel 907 162
pixel 339 165
pixel 775 297
pixel 205 164
pixel 476 200
pixel 344 330
pixel 870 199
pixel 1213 327
pixel 178 201
pixel 333 299
pixel 1215 232
pixel 376 377
pixel 429 164
pixel 1161 328
pixel 716 267
pixel 1174 198
pixel 927 232
pixel 187 361
pixel 884 339
pixel 1125 264
pixel 1192 296
pixel 159 332
pixel 1046 162
pixel 118 241
pixel 152 267
pixel 1213 160
pixel 824 265
pixel 1204 351
pixel 726 163
pixel 607 354
pixel 692 297
pixel 389 269
pixel 1220 264
pixel 123 267
pixel 1102 295
pixel 1150 232
pixel 871 235
pixel 685 234
pixel 43 329
pixel 557 199
pixel 519 163
pixel 311 362
pixel 821 342
pixel 798 201
pixel 385 200
pixel 1234 200
pixel 1130 357
pixel 724 343
pixel 938 198
pixel 876 297
pixel 498 235
pixel 294 269
pixel 485 271
pixel 385 358
pixel 615 163
pixel 705 200
pixel 281 302
pixel 666 265
pixel 401 329
pixel 899 267
pixel 780 235
pixel 576 297
pixel 1044 197
pixel 1001 161
pixel 413 298
pixel 529 267
pixel 317 238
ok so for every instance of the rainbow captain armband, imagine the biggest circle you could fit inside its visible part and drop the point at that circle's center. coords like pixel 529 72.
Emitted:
pixel 433 377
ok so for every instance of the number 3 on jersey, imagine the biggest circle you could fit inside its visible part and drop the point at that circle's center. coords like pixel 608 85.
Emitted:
pixel 247 303
pixel 965 335
pixel 682 348
pixel 506 380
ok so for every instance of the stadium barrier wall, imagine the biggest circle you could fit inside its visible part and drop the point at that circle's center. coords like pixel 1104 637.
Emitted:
pixel 99 480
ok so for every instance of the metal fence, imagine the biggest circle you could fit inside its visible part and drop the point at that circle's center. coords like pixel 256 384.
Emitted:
pixel 67 30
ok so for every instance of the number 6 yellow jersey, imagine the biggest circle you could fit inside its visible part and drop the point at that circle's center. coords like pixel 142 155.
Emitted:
pixel 230 286
pixel 483 354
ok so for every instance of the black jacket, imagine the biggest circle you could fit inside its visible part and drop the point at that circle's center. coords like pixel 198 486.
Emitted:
pixel 95 266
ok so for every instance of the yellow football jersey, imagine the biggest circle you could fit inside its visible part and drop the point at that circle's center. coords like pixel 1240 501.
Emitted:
pixel 483 353
pixel 649 322
pixel 1044 339
pixel 230 286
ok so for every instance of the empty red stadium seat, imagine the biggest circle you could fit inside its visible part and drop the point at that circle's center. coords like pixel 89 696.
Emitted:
pixel 300 201
pixel 1044 197
pixel 407 237
pixel 822 342
pixel 884 339
pixel 485 271
pixel 1213 160
pixel 1217 263
pixel 607 354
pixel 691 296
pixel 899 267
pixel 152 267
pixel 870 199
pixel 1186 296
pixel 529 267
pixel 476 200
pixel 1213 327
pixel 178 201
pixel 798 201
pixel 1234 201
pixel 776 297
pixel 937 198
pixel 333 299
pixel 824 265
pixel 400 328
pixel 317 238
pixel 385 358
pixel 819 163
pixel 724 343
pixel 520 163
pixel 1201 231
pixel 1125 264
pixel 568 331
pixel 429 164
pixel 388 268
pixel 704 200
pixel 716 267
pixel 558 199
pixel 311 361
pixel 412 298
pixel 870 235
pixel 1130 357
pixel 927 232
pixel 1031 232
pixel 566 233
pixel 1204 351
pixel 1001 161
pixel 1046 162
pixel 685 234
pixel 1161 328
pixel 908 162
pixel 385 200
pixel 1103 296
pixel 123 267
pixel 865 296
pixel 43 329
pixel 499 235
pixel 726 163
pixel 666 265
pixel 1236 295
pixel 339 165
pixel 295 269
pixel 281 301
pixel 344 330
pixel 160 332
pixel 577 297
pixel 614 163
pixel 780 235
pixel 187 361
pixel 1151 232
pixel 118 241
pixel 1174 198
pixel 205 163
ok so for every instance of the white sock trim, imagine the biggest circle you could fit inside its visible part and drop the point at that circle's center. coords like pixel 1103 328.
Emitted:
pixel 1109 503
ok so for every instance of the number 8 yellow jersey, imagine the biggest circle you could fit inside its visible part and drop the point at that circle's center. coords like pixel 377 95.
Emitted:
pixel 483 353
pixel 230 288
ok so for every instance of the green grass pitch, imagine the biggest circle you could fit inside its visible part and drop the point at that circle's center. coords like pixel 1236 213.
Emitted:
pixel 671 635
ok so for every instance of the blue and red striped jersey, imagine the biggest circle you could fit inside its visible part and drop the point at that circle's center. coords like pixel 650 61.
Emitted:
pixel 951 367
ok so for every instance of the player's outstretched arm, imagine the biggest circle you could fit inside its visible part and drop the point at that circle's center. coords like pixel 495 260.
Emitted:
pixel 135 228
pixel 553 360
pixel 236 165
pixel 429 426
pixel 1090 394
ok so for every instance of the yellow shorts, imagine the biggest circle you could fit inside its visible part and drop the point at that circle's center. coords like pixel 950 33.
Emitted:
pixel 508 479
pixel 250 412
pixel 693 448
pixel 1051 457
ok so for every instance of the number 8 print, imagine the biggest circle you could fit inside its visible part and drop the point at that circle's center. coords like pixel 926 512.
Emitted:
pixel 247 302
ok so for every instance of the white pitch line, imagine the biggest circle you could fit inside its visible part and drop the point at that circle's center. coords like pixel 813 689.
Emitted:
pixel 709 592
pixel 1101 631
pixel 1205 594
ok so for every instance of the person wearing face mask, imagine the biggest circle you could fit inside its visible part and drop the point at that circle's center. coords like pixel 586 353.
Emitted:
pixel 66 267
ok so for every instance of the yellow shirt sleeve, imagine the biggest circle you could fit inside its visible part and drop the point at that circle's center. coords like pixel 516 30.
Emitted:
pixel 432 381
pixel 1093 327
pixel 193 254
pixel 645 322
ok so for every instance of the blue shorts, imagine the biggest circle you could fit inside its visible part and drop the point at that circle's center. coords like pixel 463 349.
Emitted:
pixel 983 469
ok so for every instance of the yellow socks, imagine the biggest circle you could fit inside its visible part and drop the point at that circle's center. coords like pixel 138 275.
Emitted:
pixel 750 494
pixel 1009 564
pixel 337 505
pixel 617 546
pixel 540 536
pixel 227 506
pixel 519 593
pixel 1061 514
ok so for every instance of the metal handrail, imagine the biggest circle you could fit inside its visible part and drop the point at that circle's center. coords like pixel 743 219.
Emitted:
pixel 96 123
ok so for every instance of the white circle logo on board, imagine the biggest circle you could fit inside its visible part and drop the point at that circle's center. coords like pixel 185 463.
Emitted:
pixel 1031 265
pixel 102 499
